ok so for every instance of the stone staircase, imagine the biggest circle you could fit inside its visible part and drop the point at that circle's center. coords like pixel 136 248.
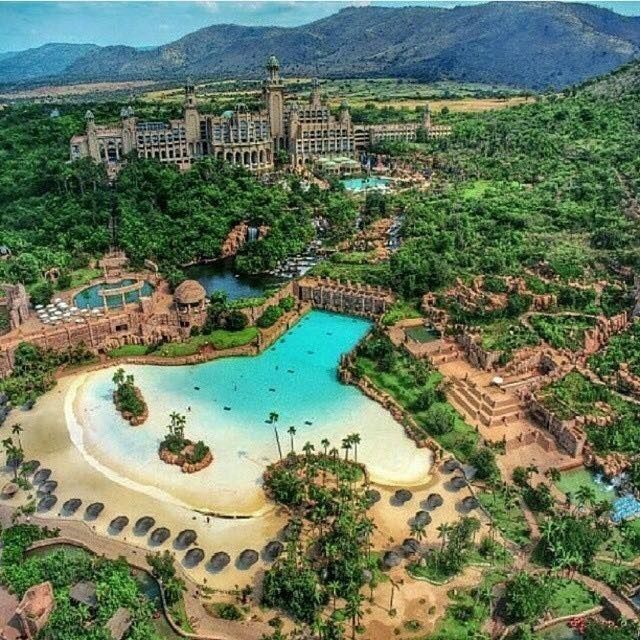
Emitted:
pixel 487 405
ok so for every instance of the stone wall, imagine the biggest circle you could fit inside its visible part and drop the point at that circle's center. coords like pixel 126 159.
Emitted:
pixel 344 297
pixel 598 336
pixel 567 433
pixel 475 353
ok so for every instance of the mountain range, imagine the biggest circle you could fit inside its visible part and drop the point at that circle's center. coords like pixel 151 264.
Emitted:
pixel 525 44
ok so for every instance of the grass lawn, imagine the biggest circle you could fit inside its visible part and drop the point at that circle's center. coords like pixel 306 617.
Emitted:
pixel 400 310
pixel 570 597
pixel 572 481
pixel 220 339
pixel 129 350
pixel 614 574
pixel 84 276
pixel 508 517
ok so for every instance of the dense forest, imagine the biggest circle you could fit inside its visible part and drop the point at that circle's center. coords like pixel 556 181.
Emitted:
pixel 56 214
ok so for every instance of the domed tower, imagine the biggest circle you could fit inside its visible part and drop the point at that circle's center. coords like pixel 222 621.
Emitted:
pixel 92 138
pixel 274 99
pixel 128 129
pixel 344 116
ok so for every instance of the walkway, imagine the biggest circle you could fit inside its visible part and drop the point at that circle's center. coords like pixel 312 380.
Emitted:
pixel 206 626
pixel 619 603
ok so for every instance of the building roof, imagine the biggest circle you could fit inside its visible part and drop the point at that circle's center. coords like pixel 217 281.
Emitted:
pixel 189 292
pixel 84 593
pixel 119 623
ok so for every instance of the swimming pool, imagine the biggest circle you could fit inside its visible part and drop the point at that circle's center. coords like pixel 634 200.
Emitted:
pixel 227 403
pixel 365 184
pixel 90 297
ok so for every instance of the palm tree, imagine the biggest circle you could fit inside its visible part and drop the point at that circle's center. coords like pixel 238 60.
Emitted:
pixel 118 377
pixel 308 449
pixel 444 530
pixel 355 441
pixel 346 445
pixel 292 432
pixel 418 531
pixel 585 496
pixel 174 416
pixel 325 444
pixel 273 419
pixel 333 588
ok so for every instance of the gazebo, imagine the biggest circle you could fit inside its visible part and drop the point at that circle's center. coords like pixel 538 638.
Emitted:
pixel 190 299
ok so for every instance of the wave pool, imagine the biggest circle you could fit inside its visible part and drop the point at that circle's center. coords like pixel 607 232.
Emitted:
pixel 227 403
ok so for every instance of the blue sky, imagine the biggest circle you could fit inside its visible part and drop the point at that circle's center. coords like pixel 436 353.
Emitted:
pixel 31 24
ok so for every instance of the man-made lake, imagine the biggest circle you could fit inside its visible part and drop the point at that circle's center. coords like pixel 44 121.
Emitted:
pixel 219 276
pixel 227 403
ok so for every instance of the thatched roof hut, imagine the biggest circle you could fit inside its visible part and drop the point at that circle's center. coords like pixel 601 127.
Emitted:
pixel 48 487
pixel 144 524
pixel 219 560
pixel 372 496
pixel 410 546
pixel 189 293
pixel 422 518
pixel 10 489
pixel 160 535
pixel 194 556
pixel 470 503
pixel 118 524
pixel 273 550
pixel 450 465
pixel 47 502
pixel 391 559
pixel 94 510
pixel 247 558
pixel 434 500
pixel 401 496
pixel 42 475
pixel 71 506
pixel 457 482
pixel 186 538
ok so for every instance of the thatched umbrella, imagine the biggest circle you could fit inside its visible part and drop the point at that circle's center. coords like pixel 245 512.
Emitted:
pixel 273 550
pixel 434 500
pixel 194 556
pixel 247 558
pixel 10 489
pixel 72 505
pixel 410 546
pixel 469 503
pixel 30 466
pixel 118 524
pixel 48 487
pixel 219 561
pixel 372 496
pixel 160 535
pixel 42 475
pixel 457 482
pixel 186 538
pixel 450 465
pixel 391 559
pixel 401 496
pixel 143 525
pixel 94 510
pixel 422 518
pixel 47 502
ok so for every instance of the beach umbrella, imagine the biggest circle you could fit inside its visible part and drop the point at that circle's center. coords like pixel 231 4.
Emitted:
pixel 39 307
pixel 434 500
pixel 219 561
pixel 194 556
pixel 273 550
pixel 160 535
pixel 457 482
pixel 186 538
pixel 410 546
pixel 401 496
pixel 391 559
pixel 450 465
pixel 372 496
pixel 42 475
pixel 469 503
pixel 10 489
pixel 47 502
pixel 422 518
pixel 118 524
pixel 143 525
pixel 247 558
pixel 72 505
pixel 48 487
pixel 94 510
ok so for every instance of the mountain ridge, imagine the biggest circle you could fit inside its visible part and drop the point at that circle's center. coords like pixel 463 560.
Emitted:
pixel 527 44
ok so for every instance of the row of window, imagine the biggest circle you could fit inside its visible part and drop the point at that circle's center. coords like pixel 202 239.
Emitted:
pixel 326 133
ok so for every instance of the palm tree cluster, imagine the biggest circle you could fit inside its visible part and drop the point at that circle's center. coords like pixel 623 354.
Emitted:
pixel 14 456
pixel 327 558
pixel 126 396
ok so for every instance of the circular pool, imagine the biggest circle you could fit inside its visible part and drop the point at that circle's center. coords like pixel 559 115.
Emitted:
pixel 90 297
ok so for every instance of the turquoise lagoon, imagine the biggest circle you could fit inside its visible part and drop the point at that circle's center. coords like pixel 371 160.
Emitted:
pixel 364 184
pixel 226 403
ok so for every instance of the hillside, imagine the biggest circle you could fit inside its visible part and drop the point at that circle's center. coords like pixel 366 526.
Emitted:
pixel 528 44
